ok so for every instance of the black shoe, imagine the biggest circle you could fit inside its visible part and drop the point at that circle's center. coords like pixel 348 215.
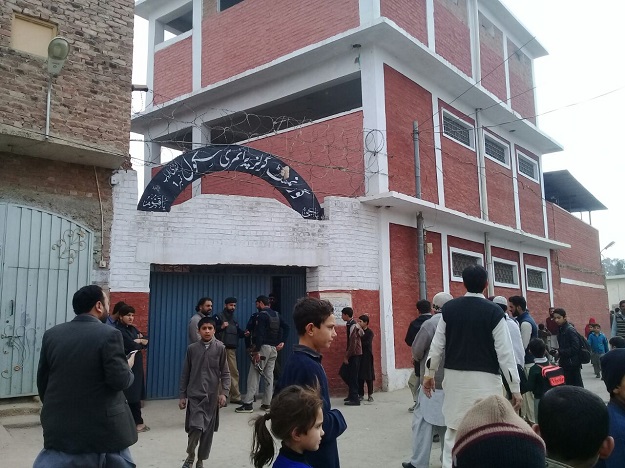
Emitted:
pixel 436 438
pixel 265 407
pixel 245 408
pixel 346 399
pixel 352 403
pixel 361 397
pixel 407 465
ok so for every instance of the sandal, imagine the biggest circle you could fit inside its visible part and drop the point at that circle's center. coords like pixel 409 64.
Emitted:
pixel 370 398
pixel 143 429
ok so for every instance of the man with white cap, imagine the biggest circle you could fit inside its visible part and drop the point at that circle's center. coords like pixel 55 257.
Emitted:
pixel 427 417
pixel 473 334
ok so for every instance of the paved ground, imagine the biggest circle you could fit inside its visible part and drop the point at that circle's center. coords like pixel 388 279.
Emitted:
pixel 378 435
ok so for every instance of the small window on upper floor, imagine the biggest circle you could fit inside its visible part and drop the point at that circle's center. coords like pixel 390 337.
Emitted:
pixel 506 273
pixel 460 259
pixel 225 4
pixel 31 35
pixel 528 167
pixel 496 150
pixel 458 130
pixel 176 23
pixel 536 279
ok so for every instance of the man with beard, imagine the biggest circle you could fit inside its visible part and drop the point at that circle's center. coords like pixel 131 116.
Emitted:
pixel 229 334
pixel 82 374
pixel 529 330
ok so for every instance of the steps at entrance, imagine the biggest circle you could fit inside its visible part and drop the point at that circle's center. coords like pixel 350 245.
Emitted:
pixel 20 412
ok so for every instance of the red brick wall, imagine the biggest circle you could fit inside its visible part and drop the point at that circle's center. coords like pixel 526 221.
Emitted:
pixel 406 101
pixel 328 155
pixel 530 201
pixel 173 71
pixel 363 302
pixel 491 59
pixel 581 262
pixel 91 96
pixel 405 287
pixel 500 189
pixel 460 175
pixel 409 15
pixel 453 40
pixel 456 288
pixel 521 83
pixel 253 33
pixel 537 302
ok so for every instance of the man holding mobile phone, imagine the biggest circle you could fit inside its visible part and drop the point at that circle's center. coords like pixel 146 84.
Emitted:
pixel 82 372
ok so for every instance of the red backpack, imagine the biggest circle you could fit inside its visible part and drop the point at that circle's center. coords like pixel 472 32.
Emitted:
pixel 553 376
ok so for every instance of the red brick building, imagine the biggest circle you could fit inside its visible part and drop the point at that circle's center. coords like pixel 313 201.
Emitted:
pixel 332 90
pixel 61 138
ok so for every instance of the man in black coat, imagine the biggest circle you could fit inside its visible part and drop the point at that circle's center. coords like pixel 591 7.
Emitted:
pixel 82 374
pixel 568 351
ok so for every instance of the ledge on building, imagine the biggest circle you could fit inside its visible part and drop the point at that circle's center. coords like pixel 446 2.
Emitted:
pixel 412 205
pixel 26 142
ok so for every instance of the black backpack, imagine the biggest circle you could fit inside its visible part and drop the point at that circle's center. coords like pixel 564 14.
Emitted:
pixel 584 349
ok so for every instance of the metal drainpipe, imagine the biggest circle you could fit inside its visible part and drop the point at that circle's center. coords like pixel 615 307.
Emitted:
pixel 423 291
pixel 484 199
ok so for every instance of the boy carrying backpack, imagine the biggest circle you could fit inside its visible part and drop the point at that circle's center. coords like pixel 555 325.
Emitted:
pixel 542 376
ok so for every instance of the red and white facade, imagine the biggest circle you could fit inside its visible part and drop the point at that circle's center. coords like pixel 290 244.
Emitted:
pixel 441 63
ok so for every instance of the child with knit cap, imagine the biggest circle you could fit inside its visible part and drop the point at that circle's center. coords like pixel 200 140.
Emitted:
pixel 613 368
pixel 493 435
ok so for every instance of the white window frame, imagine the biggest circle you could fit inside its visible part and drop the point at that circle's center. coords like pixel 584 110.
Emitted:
pixel 469 253
pixel 500 142
pixel 520 156
pixel 461 122
pixel 515 274
pixel 543 271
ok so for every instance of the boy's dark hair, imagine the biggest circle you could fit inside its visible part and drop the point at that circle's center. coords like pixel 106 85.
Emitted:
pixel 537 347
pixel 86 298
pixel 475 278
pixel 201 302
pixel 573 422
pixel 348 311
pixel 117 306
pixel 621 304
pixel 560 312
pixel 204 320
pixel 125 310
pixel 263 300
pixel 364 318
pixel 541 326
pixel 518 301
pixel 310 310
pixel 617 342
pixel 424 306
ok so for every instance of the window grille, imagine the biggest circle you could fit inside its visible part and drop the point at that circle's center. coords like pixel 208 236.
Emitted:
pixel 535 279
pixel 505 273
pixel 495 150
pixel 527 167
pixel 457 130
pixel 460 261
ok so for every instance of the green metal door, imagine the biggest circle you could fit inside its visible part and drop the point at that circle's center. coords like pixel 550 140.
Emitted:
pixel 44 259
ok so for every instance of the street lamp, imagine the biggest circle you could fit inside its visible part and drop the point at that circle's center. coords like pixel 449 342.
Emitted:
pixel 607 246
pixel 58 50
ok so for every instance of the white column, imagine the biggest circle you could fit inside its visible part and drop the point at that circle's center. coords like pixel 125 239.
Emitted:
pixel 445 262
pixel 369 10
pixel 386 306
pixel 506 66
pixel 438 154
pixel 200 136
pixel 429 12
pixel 156 34
pixel 474 31
pixel 151 158
pixel 373 105
pixel 515 188
pixel 196 44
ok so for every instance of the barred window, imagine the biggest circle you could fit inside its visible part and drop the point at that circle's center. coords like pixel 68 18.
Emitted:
pixel 496 150
pixel 536 279
pixel 460 261
pixel 505 273
pixel 457 130
pixel 528 167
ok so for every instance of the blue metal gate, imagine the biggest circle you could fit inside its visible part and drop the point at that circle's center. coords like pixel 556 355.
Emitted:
pixel 174 294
